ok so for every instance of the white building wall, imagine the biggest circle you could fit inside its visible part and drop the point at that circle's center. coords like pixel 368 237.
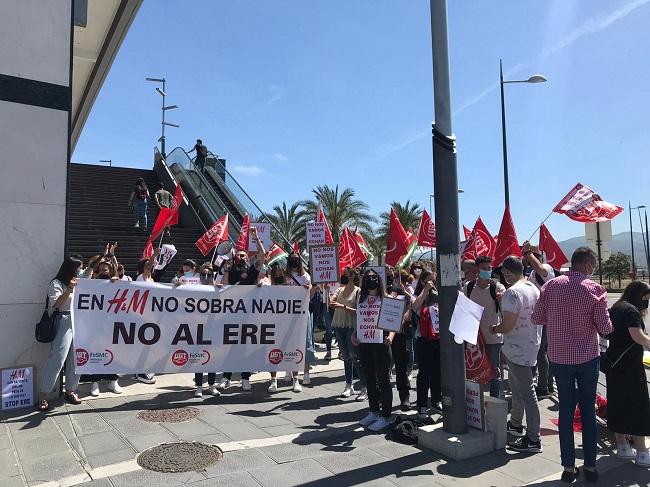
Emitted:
pixel 34 155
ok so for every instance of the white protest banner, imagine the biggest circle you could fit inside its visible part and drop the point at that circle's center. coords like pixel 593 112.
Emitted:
pixel 18 387
pixel 316 234
pixel 125 327
pixel 192 281
pixel 465 320
pixel 391 314
pixel 167 253
pixel 264 233
pixel 367 317
pixel 474 413
pixel 381 270
pixel 323 264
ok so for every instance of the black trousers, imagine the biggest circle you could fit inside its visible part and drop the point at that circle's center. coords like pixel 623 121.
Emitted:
pixel 428 372
pixel 375 362
pixel 401 361
pixel 198 379
pixel 244 375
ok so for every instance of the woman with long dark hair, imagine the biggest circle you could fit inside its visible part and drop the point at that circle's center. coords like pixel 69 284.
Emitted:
pixel 628 404
pixel 374 353
pixel 59 298
pixel 138 201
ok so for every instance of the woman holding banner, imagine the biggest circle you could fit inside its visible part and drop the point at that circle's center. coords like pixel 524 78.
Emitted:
pixel 344 303
pixel 374 352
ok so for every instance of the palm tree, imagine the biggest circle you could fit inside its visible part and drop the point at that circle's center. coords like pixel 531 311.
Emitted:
pixel 341 209
pixel 408 215
pixel 290 222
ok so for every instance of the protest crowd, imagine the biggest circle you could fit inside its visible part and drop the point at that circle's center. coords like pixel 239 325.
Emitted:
pixel 538 333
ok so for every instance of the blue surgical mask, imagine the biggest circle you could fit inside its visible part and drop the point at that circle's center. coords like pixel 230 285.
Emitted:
pixel 485 275
pixel 189 274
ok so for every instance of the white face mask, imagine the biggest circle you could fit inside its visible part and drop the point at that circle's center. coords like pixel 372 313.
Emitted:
pixel 417 272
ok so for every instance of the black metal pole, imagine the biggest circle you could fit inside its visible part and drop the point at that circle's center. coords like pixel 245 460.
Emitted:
pixel 445 182
pixel 506 184
pixel 647 244
pixel 600 258
pixel 162 124
pixel 629 206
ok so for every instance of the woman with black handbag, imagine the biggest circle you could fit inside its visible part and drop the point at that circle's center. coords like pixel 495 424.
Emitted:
pixel 628 403
pixel 59 299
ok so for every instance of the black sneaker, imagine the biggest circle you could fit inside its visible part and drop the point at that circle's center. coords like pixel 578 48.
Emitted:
pixel 570 477
pixel 525 444
pixel 405 405
pixel 145 378
pixel 542 393
pixel 590 475
pixel 515 430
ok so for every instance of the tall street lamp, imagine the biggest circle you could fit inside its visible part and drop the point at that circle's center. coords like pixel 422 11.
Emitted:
pixel 629 205
pixel 536 78
pixel 163 94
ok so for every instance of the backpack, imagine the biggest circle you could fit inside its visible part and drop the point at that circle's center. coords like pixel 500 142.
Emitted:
pixel 48 326
pixel 425 325
pixel 204 151
pixel 493 292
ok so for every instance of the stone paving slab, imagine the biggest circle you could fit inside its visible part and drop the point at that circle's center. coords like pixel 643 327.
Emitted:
pixel 299 473
pixel 147 440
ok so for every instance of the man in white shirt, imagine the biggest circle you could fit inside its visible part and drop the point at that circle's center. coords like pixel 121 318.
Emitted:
pixel 541 273
pixel 487 292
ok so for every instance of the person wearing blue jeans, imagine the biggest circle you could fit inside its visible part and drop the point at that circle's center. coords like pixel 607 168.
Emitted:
pixel 351 362
pixel 577 384
pixel 494 354
pixel 138 201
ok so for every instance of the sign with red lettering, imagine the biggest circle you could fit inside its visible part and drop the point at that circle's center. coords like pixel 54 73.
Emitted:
pixel 323 264
pixel 18 387
pixel 264 233
pixel 367 318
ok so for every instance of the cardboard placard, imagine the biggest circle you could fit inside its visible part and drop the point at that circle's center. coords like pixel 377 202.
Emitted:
pixel 18 387
pixel 264 233
pixel 475 415
pixel 324 264
pixel 367 316
pixel 391 314
pixel 315 234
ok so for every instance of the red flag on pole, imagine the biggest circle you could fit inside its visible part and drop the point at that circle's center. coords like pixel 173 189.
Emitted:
pixel 242 240
pixel 582 204
pixel 552 251
pixel 480 242
pixel 350 254
pixel 167 217
pixel 397 244
pixel 320 217
pixel 426 231
pixel 507 243
pixel 296 248
pixel 214 236
pixel 467 232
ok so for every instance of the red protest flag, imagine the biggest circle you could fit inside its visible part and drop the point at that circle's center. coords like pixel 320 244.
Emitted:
pixel 320 217
pixel 397 244
pixel 242 240
pixel 552 251
pixel 350 254
pixel 467 232
pixel 214 236
pixel 480 242
pixel 167 217
pixel 477 362
pixel 507 243
pixel 582 204
pixel 426 231
pixel 296 248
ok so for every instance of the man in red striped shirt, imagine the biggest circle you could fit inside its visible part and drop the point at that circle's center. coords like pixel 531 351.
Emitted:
pixel 574 310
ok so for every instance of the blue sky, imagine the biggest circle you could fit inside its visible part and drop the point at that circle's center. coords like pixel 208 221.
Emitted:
pixel 297 94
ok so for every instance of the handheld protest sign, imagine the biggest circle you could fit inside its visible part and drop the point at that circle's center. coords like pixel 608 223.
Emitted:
pixel 224 248
pixel 367 315
pixel 391 314
pixel 324 264
pixel 263 233
pixel 315 232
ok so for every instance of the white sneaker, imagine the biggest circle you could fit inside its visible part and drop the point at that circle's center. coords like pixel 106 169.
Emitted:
pixel 348 391
pixel 379 425
pixel 223 384
pixel 306 379
pixel 296 385
pixel 94 389
pixel 368 420
pixel 214 391
pixel 362 396
pixel 626 452
pixel 198 392
pixel 246 385
pixel 273 388
pixel 642 459
pixel 114 387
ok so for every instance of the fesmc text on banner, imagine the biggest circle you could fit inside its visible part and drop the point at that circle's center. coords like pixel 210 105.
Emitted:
pixel 126 327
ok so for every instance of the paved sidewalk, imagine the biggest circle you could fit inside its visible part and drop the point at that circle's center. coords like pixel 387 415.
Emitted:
pixel 285 439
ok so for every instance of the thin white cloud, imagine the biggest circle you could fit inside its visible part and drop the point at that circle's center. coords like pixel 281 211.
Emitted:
pixel 403 141
pixel 590 26
pixel 277 94
pixel 247 170
pixel 280 157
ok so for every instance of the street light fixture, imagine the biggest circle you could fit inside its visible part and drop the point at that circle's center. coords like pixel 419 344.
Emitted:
pixel 630 208
pixel 536 78
pixel 109 161
pixel 164 108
